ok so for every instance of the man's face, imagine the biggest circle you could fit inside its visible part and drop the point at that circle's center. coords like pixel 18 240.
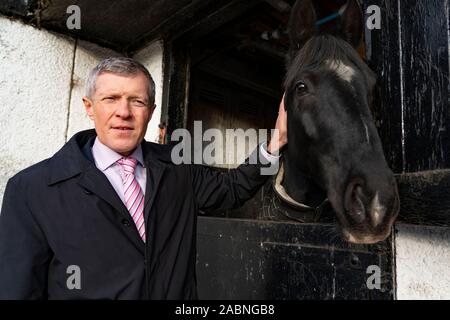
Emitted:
pixel 120 110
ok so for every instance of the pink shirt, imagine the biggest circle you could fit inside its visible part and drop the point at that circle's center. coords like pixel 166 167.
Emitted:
pixel 105 160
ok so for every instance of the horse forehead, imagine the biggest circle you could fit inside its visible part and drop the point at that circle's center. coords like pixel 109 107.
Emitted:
pixel 344 71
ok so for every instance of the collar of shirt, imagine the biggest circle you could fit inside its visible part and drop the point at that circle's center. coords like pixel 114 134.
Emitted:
pixel 105 157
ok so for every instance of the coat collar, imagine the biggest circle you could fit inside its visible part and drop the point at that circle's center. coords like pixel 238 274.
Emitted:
pixel 70 161
pixel 105 157
pixel 75 156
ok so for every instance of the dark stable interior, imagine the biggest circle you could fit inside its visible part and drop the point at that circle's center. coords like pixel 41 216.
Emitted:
pixel 237 75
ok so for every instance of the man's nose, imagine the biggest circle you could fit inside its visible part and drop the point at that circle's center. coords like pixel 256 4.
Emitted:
pixel 123 108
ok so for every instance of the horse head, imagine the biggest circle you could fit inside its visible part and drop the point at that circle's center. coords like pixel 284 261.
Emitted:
pixel 334 145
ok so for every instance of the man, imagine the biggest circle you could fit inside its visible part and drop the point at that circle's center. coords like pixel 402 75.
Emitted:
pixel 109 216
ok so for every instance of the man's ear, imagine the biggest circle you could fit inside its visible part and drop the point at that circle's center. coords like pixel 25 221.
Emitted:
pixel 89 107
pixel 152 109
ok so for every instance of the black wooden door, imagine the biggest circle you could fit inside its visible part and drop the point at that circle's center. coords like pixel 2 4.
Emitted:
pixel 410 54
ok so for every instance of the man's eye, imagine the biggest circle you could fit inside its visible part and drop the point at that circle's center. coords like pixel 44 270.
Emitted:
pixel 138 102
pixel 108 99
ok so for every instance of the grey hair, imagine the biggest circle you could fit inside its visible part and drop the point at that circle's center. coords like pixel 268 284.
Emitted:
pixel 119 65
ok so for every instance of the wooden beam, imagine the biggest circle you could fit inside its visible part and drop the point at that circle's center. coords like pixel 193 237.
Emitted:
pixel 384 58
pixel 425 61
pixel 17 8
pixel 425 197
pixel 195 20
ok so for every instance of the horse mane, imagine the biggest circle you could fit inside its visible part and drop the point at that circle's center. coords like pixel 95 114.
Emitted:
pixel 326 47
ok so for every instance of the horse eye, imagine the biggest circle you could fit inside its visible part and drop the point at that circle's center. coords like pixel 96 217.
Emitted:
pixel 301 88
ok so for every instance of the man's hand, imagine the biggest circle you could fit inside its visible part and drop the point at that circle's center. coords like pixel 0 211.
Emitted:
pixel 279 139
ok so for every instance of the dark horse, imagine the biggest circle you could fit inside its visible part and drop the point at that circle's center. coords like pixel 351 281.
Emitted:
pixel 333 143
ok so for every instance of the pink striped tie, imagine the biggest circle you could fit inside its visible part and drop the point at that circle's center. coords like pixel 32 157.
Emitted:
pixel 134 197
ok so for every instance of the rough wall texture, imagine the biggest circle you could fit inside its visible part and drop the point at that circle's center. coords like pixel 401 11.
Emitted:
pixel 152 58
pixel 34 95
pixel 422 262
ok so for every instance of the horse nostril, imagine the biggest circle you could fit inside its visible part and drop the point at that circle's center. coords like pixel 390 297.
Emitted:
pixel 357 192
pixel 354 202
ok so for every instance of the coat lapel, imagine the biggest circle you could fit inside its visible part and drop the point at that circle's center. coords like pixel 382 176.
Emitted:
pixel 94 181
pixel 154 160
pixel 155 170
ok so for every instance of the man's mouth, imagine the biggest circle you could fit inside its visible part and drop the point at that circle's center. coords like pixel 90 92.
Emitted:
pixel 123 128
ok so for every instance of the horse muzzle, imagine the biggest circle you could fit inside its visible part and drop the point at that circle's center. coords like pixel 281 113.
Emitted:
pixel 369 215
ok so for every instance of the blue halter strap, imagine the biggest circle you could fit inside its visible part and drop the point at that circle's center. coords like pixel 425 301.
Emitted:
pixel 332 16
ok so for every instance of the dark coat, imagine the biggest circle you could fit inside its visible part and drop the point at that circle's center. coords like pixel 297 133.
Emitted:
pixel 63 212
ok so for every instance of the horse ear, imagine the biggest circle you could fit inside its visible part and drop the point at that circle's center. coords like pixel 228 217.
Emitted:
pixel 352 23
pixel 302 23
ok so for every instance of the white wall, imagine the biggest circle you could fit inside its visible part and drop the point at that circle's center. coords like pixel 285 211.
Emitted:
pixel 422 262
pixel 34 95
pixel 152 58
pixel 40 110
